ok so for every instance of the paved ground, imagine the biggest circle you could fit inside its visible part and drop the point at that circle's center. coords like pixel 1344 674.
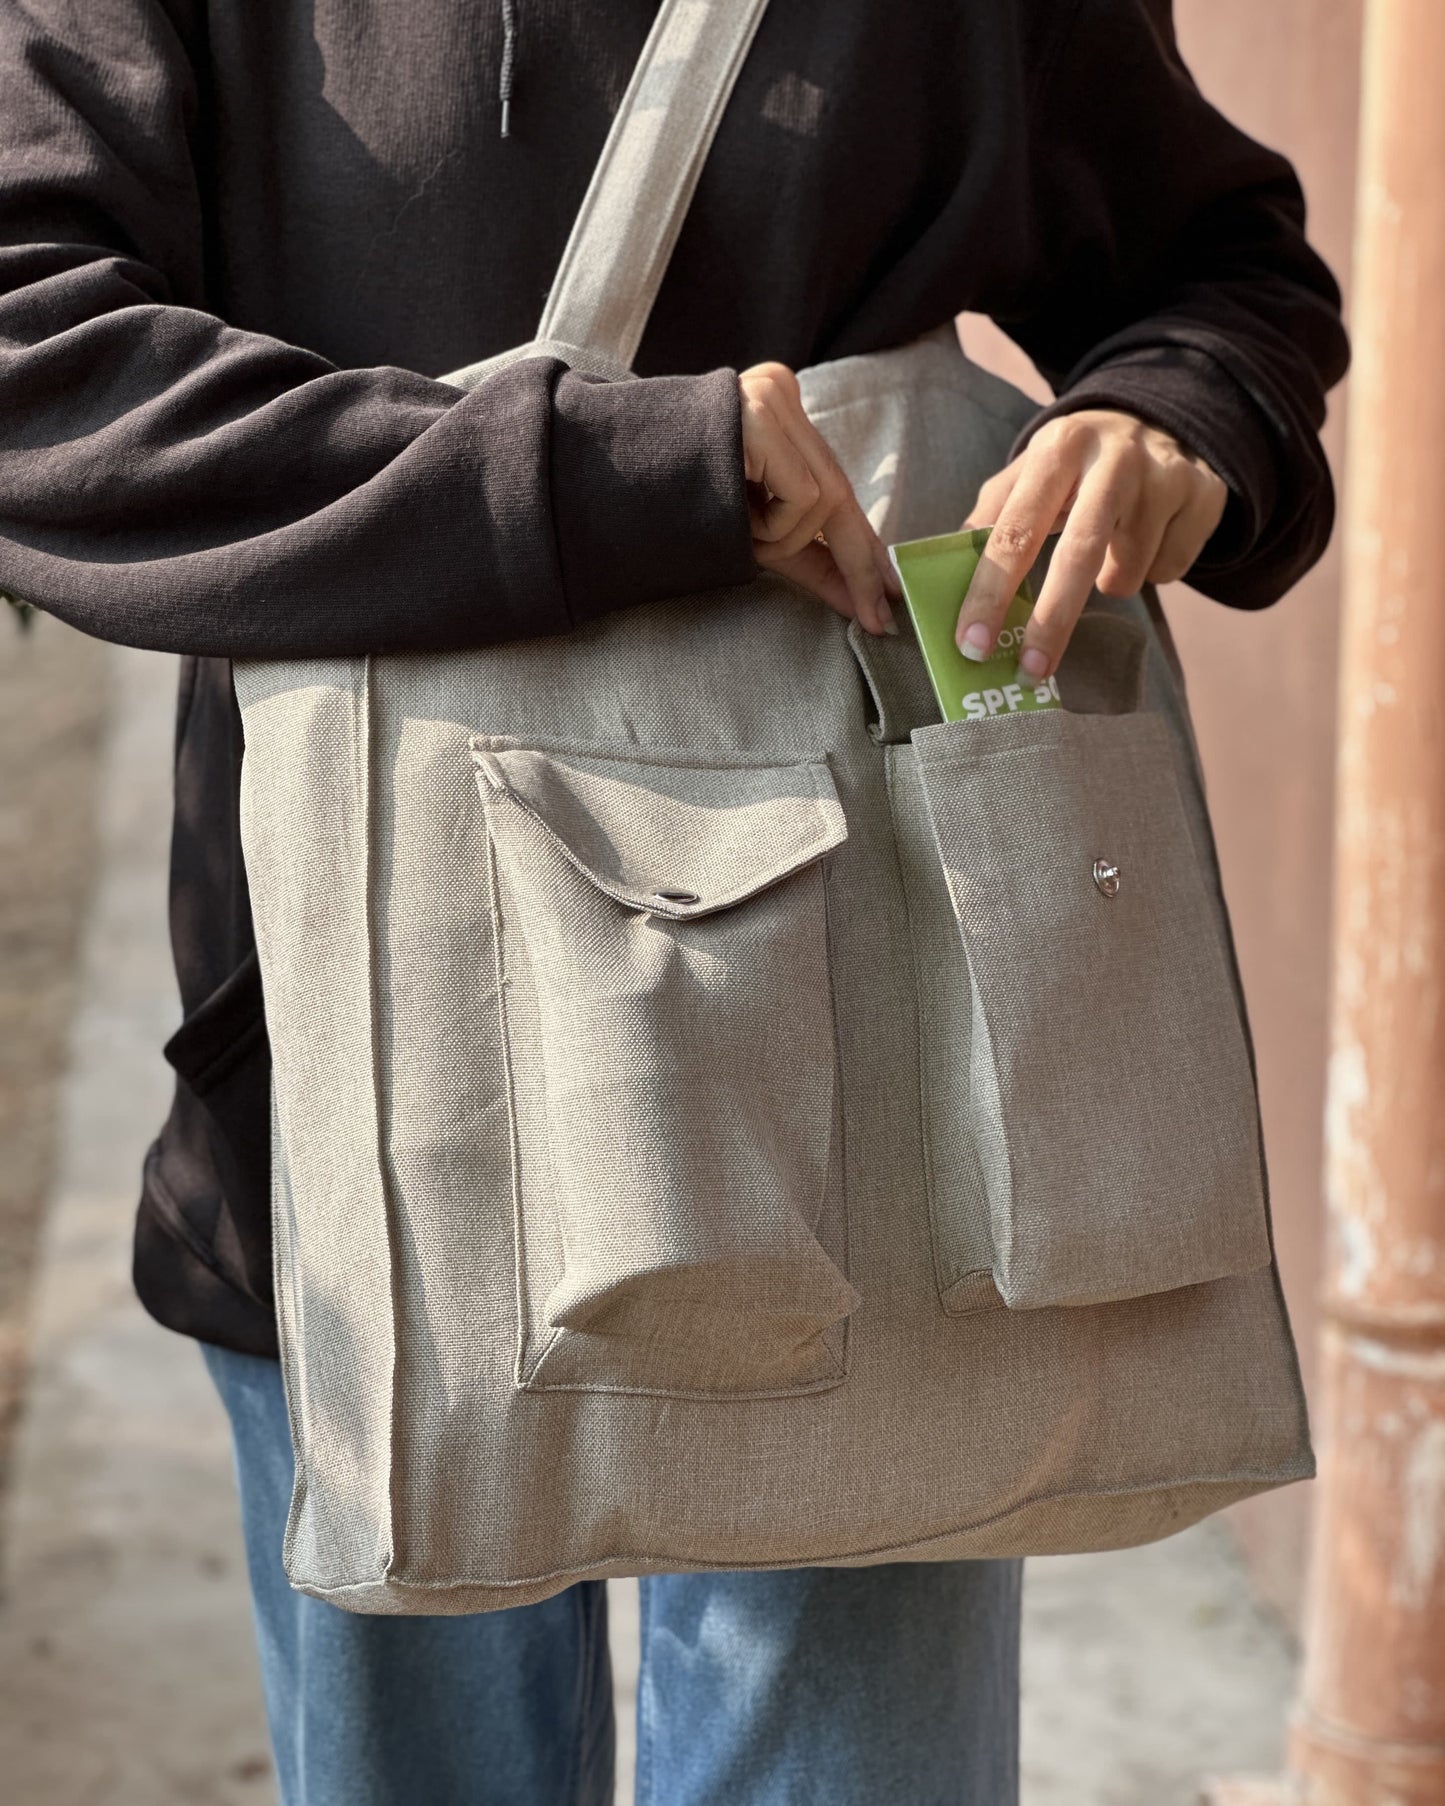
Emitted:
pixel 123 1644
pixel 126 1673
pixel 52 693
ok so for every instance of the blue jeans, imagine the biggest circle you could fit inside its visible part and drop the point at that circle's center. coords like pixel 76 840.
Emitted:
pixel 850 1687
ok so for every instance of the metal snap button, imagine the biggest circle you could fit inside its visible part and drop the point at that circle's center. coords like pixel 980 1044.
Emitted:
pixel 1106 876
pixel 676 896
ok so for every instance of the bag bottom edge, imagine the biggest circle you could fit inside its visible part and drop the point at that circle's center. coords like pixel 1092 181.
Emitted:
pixel 1066 1524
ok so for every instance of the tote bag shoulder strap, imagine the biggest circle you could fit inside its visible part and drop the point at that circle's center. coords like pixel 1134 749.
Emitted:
pixel 642 187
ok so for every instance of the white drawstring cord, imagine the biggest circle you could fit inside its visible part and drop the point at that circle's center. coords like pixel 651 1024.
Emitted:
pixel 509 51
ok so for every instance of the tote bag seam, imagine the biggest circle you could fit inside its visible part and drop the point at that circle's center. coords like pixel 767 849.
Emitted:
pixel 1242 1480
pixel 607 752
pixel 925 1115
pixel 385 1187
pixel 288 1290
pixel 838 1111
pixel 525 1332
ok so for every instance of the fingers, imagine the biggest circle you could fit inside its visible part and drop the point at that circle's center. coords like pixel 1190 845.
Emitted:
pixel 855 546
pixel 1025 519
pixel 1155 493
pixel 815 570
pixel 1131 506
pixel 994 494
pixel 1191 528
pixel 1142 509
pixel 1074 570
pixel 804 497
pixel 789 496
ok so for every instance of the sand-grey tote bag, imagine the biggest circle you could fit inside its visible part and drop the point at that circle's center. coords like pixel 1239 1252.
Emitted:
pixel 724 1116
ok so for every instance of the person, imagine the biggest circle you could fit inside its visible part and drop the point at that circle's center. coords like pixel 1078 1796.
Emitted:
pixel 234 241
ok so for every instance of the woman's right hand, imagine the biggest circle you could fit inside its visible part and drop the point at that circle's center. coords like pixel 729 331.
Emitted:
pixel 806 521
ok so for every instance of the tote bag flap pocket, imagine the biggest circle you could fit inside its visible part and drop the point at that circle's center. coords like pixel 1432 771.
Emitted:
pixel 1110 1086
pixel 680 839
pixel 663 935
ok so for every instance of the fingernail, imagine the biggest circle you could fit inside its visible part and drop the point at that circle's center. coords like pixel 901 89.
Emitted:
pixel 885 615
pixel 977 641
pixel 1034 663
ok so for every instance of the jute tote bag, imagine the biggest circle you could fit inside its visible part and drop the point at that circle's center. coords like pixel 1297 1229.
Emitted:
pixel 726 1117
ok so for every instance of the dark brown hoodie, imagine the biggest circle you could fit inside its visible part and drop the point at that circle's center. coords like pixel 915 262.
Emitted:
pixel 240 238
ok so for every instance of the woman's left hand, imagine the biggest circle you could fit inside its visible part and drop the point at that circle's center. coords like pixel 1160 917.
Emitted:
pixel 1132 506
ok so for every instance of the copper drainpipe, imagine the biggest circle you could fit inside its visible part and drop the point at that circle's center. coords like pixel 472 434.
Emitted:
pixel 1369 1729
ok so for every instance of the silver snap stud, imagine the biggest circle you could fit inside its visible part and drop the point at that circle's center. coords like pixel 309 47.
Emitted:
pixel 676 896
pixel 1106 876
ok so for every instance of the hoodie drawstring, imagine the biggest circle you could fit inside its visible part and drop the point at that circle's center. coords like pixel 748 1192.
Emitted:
pixel 509 52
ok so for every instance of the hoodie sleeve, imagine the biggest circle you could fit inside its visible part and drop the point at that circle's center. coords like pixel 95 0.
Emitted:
pixel 169 481
pixel 1175 283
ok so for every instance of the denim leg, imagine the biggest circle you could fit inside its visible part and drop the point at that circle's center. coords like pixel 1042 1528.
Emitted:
pixel 509 1708
pixel 834 1686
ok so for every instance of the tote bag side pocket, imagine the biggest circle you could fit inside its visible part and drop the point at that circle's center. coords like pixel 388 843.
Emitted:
pixel 663 930
pixel 1109 1086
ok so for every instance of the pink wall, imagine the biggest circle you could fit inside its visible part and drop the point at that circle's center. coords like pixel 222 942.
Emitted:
pixel 1263 690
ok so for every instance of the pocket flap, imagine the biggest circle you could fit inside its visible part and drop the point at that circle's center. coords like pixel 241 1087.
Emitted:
pixel 678 839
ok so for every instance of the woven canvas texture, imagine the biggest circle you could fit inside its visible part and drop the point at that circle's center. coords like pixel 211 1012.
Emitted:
pixel 673 1078
pixel 1110 1081
pixel 674 1167
pixel 623 1234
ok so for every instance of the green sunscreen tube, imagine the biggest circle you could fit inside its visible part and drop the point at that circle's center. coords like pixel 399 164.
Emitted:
pixel 935 574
